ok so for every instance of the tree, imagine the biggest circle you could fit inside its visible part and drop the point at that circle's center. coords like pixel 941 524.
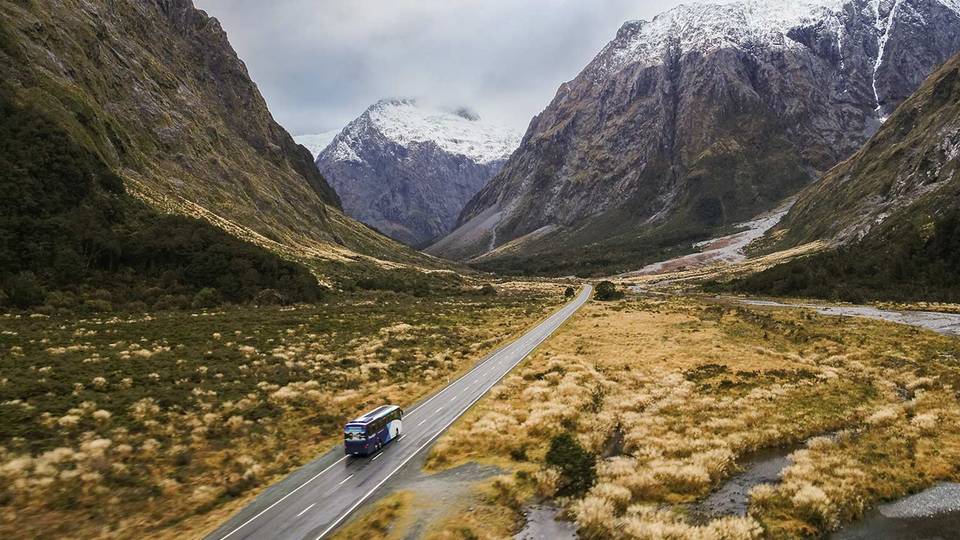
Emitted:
pixel 207 298
pixel 577 466
pixel 569 292
pixel 23 291
pixel 607 291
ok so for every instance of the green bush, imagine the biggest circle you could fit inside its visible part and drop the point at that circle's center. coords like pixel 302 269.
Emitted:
pixel 269 297
pixel 207 297
pixel 607 291
pixel 569 292
pixel 97 306
pixel 577 466
pixel 24 291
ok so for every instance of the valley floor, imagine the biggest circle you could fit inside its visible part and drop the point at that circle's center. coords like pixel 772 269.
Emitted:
pixel 669 398
pixel 163 424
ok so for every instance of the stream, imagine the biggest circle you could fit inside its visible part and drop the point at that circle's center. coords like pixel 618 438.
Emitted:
pixel 933 514
pixel 733 497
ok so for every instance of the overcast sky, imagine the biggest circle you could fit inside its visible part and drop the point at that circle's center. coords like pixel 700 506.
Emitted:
pixel 320 63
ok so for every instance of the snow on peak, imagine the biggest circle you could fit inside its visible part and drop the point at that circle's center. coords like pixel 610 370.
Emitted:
pixel 706 27
pixel 952 4
pixel 459 131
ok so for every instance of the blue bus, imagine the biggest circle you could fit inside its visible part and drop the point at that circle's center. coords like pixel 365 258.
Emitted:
pixel 367 434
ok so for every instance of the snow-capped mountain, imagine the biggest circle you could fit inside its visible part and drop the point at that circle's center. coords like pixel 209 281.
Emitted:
pixel 407 169
pixel 316 142
pixel 698 119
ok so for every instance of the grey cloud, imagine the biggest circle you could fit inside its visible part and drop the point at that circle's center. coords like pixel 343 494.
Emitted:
pixel 319 63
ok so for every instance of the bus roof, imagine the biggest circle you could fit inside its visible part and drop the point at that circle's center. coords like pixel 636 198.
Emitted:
pixel 374 414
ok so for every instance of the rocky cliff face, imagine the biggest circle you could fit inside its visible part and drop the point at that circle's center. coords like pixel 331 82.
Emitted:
pixel 906 176
pixel 156 90
pixel 697 119
pixel 890 213
pixel 408 169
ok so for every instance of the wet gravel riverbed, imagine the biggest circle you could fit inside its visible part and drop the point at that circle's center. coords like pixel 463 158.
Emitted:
pixel 543 523
pixel 943 323
pixel 933 514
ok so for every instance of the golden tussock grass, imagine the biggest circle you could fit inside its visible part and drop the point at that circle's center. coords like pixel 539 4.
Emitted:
pixel 99 440
pixel 388 519
pixel 669 394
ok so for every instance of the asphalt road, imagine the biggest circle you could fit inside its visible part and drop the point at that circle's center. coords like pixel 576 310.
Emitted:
pixel 313 501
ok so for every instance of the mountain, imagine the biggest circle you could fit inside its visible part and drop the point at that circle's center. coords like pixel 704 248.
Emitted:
pixel 696 120
pixel 891 211
pixel 154 90
pixel 408 169
pixel 316 142
pixel 72 237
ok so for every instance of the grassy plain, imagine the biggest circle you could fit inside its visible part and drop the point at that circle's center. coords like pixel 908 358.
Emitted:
pixel 665 395
pixel 124 425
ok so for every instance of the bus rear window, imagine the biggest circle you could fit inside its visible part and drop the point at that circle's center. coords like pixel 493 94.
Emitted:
pixel 354 433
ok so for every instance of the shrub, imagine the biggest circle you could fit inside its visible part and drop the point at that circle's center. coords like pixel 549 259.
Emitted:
pixel 577 466
pixel 488 290
pixel 569 292
pixel 607 291
pixel 207 297
pixel 269 297
pixel 170 301
pixel 97 306
pixel 23 291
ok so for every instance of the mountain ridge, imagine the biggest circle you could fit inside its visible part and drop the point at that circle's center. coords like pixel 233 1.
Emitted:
pixel 154 88
pixel 407 169
pixel 659 143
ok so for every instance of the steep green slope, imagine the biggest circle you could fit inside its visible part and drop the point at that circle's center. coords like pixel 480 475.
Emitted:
pixel 893 210
pixel 154 89
pixel 70 235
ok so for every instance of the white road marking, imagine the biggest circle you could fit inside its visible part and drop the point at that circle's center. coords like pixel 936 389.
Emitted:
pixel 245 523
pixel 477 367
pixel 377 456
pixel 493 358
pixel 344 480
pixel 422 421
pixel 305 510
pixel 439 409
pixel 448 424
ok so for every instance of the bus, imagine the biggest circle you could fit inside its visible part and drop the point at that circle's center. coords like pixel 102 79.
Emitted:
pixel 367 434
